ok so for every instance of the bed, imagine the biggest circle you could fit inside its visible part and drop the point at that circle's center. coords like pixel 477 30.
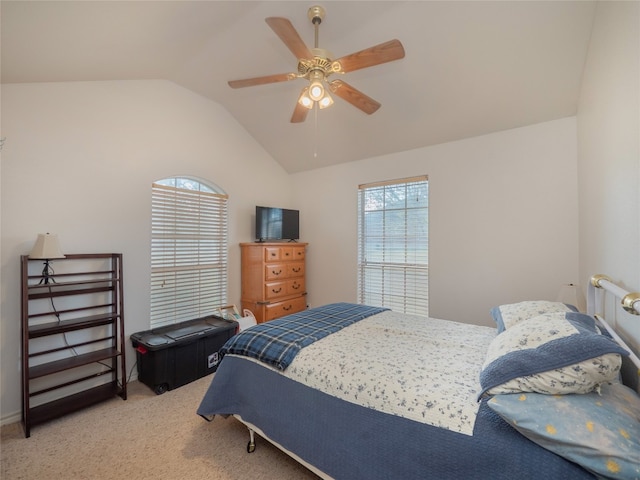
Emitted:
pixel 359 392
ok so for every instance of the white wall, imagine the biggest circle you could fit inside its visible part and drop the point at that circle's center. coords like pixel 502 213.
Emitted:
pixel 609 152
pixel 79 160
pixel 502 219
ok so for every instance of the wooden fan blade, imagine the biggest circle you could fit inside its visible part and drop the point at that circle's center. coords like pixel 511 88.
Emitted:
pixel 355 97
pixel 288 34
pixel 299 114
pixel 385 52
pixel 250 82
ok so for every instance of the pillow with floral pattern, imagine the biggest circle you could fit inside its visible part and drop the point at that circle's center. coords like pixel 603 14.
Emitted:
pixel 554 353
pixel 508 315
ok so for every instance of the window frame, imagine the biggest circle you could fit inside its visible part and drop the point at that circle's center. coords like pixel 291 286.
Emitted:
pixel 389 276
pixel 189 250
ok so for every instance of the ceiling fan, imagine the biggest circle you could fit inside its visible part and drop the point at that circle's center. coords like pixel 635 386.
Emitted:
pixel 316 66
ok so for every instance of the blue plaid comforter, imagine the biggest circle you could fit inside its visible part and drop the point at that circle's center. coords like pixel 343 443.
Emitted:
pixel 277 342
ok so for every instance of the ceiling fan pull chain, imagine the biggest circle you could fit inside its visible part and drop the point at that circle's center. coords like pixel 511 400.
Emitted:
pixel 315 132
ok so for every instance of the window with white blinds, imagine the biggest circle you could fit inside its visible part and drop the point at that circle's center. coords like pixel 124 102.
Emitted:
pixel 393 245
pixel 188 250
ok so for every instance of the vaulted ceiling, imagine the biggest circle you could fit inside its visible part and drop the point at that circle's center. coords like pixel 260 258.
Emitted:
pixel 470 68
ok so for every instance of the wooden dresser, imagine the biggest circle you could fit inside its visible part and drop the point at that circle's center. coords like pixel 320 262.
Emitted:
pixel 273 279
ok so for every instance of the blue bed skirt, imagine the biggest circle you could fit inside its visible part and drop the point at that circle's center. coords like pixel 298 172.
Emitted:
pixel 347 441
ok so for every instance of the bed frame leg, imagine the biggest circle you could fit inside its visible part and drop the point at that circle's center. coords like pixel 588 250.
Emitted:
pixel 251 446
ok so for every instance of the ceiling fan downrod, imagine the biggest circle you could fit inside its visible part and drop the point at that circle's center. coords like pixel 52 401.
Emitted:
pixel 316 70
pixel 316 15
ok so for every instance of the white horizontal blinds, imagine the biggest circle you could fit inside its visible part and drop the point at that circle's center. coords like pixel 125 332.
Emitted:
pixel 393 245
pixel 188 254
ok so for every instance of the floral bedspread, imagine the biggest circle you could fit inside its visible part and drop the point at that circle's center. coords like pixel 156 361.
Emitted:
pixel 423 369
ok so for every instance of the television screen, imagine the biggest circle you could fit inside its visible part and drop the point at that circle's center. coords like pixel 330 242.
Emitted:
pixel 277 224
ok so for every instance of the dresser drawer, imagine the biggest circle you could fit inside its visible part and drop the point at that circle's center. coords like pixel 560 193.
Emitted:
pixel 298 253
pixel 296 286
pixel 295 269
pixel 286 307
pixel 275 271
pixel 286 253
pixel 276 289
pixel 272 254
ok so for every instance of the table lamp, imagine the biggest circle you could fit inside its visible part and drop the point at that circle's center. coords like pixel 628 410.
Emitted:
pixel 47 247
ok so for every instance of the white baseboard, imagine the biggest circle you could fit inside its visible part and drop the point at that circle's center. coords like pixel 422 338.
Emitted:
pixel 11 418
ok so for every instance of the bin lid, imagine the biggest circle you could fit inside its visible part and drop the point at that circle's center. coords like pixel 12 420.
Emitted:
pixel 186 331
pixel 154 341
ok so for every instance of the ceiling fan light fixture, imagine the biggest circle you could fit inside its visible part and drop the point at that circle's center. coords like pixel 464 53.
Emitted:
pixel 316 89
pixel 325 101
pixel 304 99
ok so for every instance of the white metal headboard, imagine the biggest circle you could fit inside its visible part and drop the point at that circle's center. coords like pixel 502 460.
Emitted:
pixel 630 302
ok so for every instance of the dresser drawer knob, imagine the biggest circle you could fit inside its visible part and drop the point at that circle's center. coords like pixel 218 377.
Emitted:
pixel 276 273
pixel 273 290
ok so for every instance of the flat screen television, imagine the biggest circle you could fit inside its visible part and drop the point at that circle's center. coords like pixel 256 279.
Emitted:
pixel 277 224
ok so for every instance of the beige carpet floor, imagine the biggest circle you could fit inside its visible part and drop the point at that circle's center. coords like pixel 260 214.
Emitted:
pixel 147 436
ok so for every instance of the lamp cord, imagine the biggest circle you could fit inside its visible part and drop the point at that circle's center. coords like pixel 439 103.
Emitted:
pixel 47 273
pixel 53 305
pixel 57 315
pixel 73 349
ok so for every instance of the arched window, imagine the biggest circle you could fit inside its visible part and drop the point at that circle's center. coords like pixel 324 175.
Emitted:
pixel 188 250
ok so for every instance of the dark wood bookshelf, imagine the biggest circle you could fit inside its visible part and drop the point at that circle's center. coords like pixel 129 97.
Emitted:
pixel 90 366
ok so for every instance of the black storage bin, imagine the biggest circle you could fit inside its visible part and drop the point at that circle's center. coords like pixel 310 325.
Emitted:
pixel 172 356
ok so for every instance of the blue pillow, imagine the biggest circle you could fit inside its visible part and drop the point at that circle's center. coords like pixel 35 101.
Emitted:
pixel 554 353
pixel 508 315
pixel 600 432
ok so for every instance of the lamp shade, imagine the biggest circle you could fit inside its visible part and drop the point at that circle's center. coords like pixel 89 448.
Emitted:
pixel 572 295
pixel 47 247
